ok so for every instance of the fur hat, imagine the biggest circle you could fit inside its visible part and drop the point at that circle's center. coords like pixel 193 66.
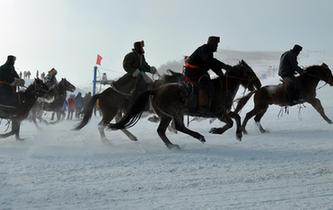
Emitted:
pixel 297 48
pixel 139 44
pixel 213 40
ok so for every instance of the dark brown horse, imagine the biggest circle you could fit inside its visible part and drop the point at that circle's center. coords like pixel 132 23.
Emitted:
pixel 59 93
pixel 171 102
pixel 115 100
pixel 20 111
pixel 277 94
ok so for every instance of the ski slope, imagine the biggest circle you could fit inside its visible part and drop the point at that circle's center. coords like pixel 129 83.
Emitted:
pixel 291 167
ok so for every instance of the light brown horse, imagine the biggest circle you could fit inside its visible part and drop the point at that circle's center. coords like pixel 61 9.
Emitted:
pixel 277 94
pixel 171 102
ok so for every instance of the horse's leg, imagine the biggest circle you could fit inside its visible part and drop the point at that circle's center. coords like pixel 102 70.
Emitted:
pixel 221 130
pixel 258 117
pixel 164 123
pixel 248 116
pixel 108 115
pixel 229 123
pixel 172 127
pixel 16 125
pixel 315 102
pixel 52 117
pixel 125 131
pixel 179 125
pixel 237 118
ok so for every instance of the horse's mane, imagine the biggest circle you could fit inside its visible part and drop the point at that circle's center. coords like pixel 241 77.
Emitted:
pixel 312 68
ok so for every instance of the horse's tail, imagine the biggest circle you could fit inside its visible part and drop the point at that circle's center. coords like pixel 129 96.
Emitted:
pixel 88 110
pixel 242 101
pixel 134 112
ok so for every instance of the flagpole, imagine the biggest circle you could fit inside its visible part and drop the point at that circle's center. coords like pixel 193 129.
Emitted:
pixel 94 80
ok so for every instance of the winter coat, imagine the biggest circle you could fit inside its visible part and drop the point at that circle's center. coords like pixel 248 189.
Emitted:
pixel 289 65
pixel 50 81
pixel 79 101
pixel 134 61
pixel 8 73
pixel 71 104
pixel 203 59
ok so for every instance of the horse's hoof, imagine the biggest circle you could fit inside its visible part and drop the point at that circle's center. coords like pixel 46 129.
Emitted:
pixel 329 122
pixel 20 139
pixel 134 138
pixel 264 131
pixel 173 147
pixel 202 139
pixel 239 136
pixel 215 131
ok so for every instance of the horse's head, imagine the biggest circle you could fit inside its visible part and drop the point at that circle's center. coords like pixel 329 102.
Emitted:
pixel 322 72
pixel 65 85
pixel 39 87
pixel 247 77
pixel 327 74
pixel 172 76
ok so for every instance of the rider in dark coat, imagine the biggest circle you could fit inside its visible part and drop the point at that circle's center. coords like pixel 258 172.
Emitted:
pixel 136 67
pixel 8 81
pixel 200 62
pixel 50 79
pixel 287 70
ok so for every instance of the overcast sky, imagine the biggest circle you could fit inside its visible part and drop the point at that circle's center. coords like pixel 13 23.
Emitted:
pixel 68 34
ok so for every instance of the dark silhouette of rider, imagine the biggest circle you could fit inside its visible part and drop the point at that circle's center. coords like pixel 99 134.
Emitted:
pixel 9 79
pixel 200 62
pixel 50 79
pixel 287 70
pixel 136 67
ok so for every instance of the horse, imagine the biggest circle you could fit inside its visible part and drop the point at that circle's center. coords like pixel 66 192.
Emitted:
pixel 115 100
pixel 277 94
pixel 59 93
pixel 25 100
pixel 171 102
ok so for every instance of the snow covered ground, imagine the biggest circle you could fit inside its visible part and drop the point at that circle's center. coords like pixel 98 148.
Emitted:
pixel 289 168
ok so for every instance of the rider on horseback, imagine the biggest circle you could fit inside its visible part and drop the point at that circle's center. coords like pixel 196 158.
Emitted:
pixel 136 67
pixel 9 79
pixel 50 79
pixel 287 70
pixel 200 62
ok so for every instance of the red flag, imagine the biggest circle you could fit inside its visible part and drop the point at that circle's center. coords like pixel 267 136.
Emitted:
pixel 99 59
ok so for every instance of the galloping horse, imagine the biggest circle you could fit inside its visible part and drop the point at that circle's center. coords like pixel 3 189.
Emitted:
pixel 276 94
pixel 171 102
pixel 115 100
pixel 56 106
pixel 20 111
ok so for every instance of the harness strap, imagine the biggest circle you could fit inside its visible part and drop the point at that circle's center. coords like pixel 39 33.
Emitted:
pixel 191 66
pixel 7 83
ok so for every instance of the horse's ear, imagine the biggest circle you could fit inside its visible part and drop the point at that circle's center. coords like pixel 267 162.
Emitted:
pixel 324 65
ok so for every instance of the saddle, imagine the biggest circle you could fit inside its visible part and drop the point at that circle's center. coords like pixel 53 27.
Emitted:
pixel 292 91
pixel 198 99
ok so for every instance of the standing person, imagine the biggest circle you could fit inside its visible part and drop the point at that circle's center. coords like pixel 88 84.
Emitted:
pixel 37 74
pixel 78 105
pixel 288 68
pixel 71 106
pixel 200 62
pixel 42 76
pixel 9 79
pixel 86 99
